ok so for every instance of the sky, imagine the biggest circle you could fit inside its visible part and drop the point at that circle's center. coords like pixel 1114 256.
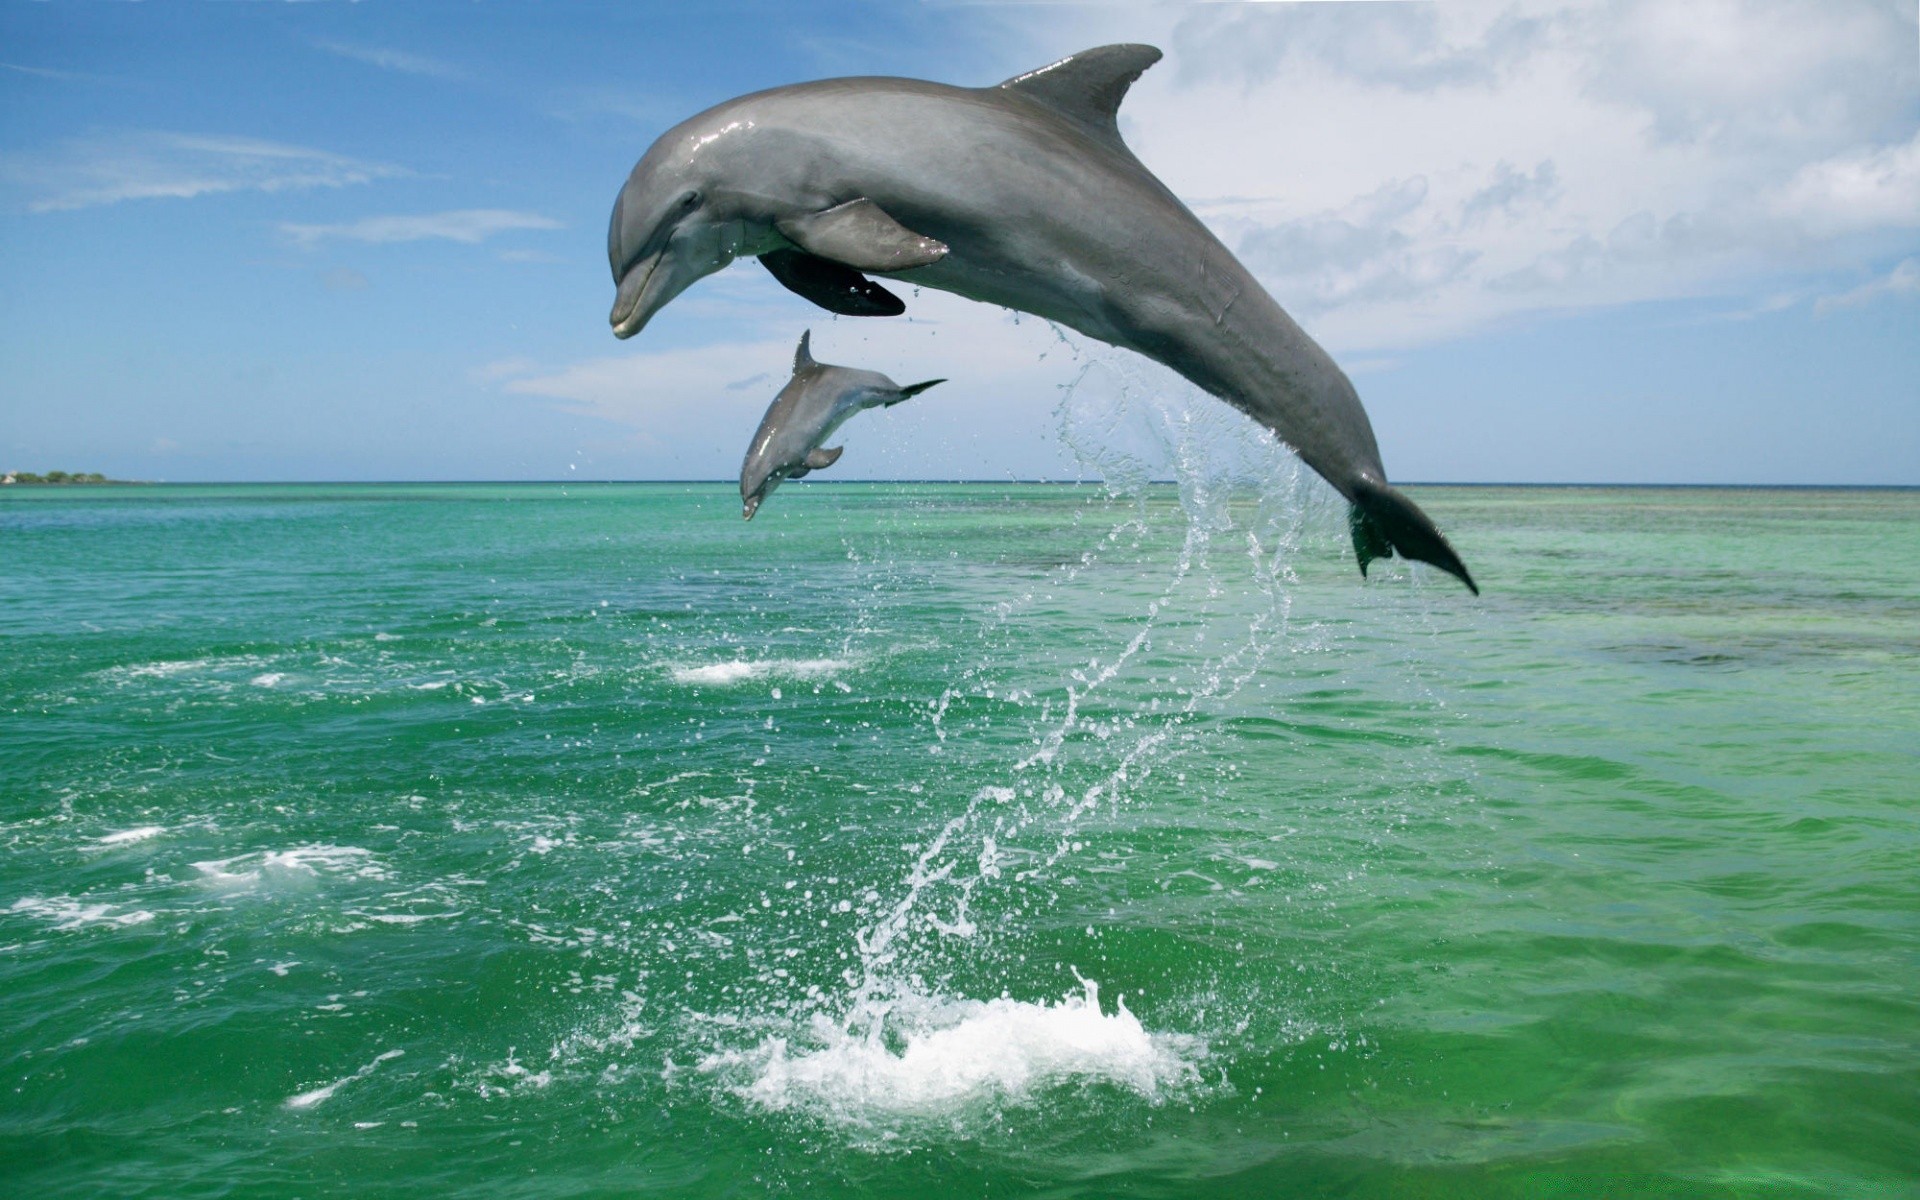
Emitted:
pixel 1549 240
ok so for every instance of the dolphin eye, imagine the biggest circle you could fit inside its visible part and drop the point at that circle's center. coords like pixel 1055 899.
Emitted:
pixel 690 201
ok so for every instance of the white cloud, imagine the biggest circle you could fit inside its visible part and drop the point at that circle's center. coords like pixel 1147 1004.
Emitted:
pixel 470 225
pixel 503 368
pixel 666 396
pixel 1872 187
pixel 391 60
pixel 1903 280
pixel 88 172
pixel 1756 74
pixel 1357 253
pixel 1403 174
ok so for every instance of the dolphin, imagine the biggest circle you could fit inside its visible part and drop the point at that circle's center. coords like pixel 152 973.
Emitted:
pixel 816 401
pixel 1021 195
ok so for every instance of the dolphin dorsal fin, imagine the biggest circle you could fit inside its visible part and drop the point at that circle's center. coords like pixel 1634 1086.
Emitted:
pixel 803 354
pixel 1087 87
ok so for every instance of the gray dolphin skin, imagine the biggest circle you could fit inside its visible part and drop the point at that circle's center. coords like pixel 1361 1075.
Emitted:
pixel 1021 195
pixel 816 401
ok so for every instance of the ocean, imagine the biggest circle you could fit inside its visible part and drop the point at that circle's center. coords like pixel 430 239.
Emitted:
pixel 973 840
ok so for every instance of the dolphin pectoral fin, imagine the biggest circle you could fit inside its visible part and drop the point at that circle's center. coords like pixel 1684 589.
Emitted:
pixel 1384 522
pixel 860 234
pixel 911 390
pixel 818 459
pixel 833 286
pixel 1087 87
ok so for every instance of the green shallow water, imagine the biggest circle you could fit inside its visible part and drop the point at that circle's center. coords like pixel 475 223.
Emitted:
pixel 533 841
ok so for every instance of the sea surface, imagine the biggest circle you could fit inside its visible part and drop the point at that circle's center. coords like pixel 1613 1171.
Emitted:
pixel 957 840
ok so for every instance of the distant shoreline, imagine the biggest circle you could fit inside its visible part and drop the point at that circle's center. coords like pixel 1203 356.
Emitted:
pixel 59 479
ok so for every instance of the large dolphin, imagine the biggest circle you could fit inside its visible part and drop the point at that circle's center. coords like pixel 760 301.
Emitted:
pixel 816 401
pixel 1021 195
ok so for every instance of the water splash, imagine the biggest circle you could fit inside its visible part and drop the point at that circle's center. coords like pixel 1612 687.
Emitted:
pixel 1131 424
pixel 901 1040
pixel 949 1056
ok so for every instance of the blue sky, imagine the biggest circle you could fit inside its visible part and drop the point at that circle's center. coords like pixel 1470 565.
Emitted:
pixel 1551 240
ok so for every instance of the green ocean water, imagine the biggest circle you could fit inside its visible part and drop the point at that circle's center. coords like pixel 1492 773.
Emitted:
pixel 532 841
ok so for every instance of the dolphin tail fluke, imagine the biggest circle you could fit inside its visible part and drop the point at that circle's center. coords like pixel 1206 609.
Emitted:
pixel 1384 522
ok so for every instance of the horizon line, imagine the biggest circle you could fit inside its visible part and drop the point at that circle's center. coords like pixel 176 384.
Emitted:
pixel 1419 483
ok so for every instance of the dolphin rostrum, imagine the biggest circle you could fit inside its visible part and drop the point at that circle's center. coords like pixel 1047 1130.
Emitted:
pixel 1021 195
pixel 816 401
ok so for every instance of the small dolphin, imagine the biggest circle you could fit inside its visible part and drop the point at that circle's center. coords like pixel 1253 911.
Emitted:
pixel 816 401
pixel 1021 195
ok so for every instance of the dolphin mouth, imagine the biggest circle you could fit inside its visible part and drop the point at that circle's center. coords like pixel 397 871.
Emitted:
pixel 629 313
pixel 754 491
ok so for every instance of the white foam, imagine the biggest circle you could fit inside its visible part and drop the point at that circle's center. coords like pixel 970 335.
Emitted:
pixel 300 865
pixel 65 912
pixel 315 1097
pixel 745 670
pixel 960 1053
pixel 173 668
pixel 406 918
pixel 321 1095
pixel 127 837
pixel 267 679
pixel 162 670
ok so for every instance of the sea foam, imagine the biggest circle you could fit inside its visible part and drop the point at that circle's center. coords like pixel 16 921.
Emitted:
pixel 127 837
pixel 66 912
pixel 746 670
pixel 954 1054
pixel 321 1095
pixel 302 864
